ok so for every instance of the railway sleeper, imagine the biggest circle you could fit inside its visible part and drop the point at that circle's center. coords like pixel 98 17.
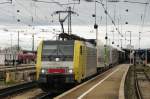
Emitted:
pixel 146 75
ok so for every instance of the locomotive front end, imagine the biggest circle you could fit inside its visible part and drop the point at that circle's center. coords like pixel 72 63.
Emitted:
pixel 56 65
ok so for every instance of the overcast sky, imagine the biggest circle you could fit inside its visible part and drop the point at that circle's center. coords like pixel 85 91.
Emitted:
pixel 39 15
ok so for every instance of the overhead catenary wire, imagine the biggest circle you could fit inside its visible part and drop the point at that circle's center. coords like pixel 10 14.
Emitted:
pixel 6 2
pixel 6 12
pixel 61 4
pixel 35 16
pixel 58 3
pixel 144 15
pixel 84 14
pixel 135 2
pixel 106 12
pixel 143 21
pixel 24 7
pixel 109 16
pixel 127 1
pixel 106 38
pixel 113 22
pixel 28 12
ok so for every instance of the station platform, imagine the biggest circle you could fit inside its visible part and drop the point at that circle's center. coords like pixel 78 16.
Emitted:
pixel 108 85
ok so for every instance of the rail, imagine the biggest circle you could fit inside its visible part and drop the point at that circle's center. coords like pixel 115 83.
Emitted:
pixel 148 78
pixel 136 83
pixel 17 89
pixel 137 88
pixel 48 96
pixel 18 68
pixel 44 96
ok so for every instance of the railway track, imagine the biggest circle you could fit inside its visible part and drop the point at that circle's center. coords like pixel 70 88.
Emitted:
pixel 140 77
pixel 28 91
pixel 6 92
pixel 137 88
pixel 46 96
pixel 35 93
pixel 23 65
pixel 18 68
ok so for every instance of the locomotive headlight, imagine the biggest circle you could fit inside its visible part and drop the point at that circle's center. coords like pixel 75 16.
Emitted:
pixel 57 59
pixel 43 71
pixel 70 71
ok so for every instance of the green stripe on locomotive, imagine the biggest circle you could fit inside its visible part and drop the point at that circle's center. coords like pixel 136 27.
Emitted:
pixel 106 55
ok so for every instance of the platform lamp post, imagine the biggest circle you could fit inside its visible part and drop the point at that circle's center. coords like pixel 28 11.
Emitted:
pixel 146 48
pixel 18 20
pixel 146 56
pixel 139 39
pixel 125 39
pixel 121 43
pixel 32 41
pixel 96 30
pixel 113 36
pixel 130 45
pixel 11 41
pixel 95 24
pixel 18 48
pixel 33 38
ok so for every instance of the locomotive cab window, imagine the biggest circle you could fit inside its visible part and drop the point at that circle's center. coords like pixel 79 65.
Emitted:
pixel 58 49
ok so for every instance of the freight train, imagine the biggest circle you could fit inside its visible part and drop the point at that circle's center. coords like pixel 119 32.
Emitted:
pixel 21 57
pixel 64 62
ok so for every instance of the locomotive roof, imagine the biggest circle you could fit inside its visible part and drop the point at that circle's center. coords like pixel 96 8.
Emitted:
pixel 52 42
pixel 75 37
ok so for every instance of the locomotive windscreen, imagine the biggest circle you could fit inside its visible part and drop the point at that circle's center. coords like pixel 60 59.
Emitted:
pixel 58 51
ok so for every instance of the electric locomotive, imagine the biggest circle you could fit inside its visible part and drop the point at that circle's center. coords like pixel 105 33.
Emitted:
pixel 64 62
pixel 61 63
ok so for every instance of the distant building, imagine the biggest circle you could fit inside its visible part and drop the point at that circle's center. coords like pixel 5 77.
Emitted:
pixel 11 56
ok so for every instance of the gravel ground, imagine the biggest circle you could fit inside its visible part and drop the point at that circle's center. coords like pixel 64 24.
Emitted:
pixel 144 84
pixel 30 94
pixel 129 84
